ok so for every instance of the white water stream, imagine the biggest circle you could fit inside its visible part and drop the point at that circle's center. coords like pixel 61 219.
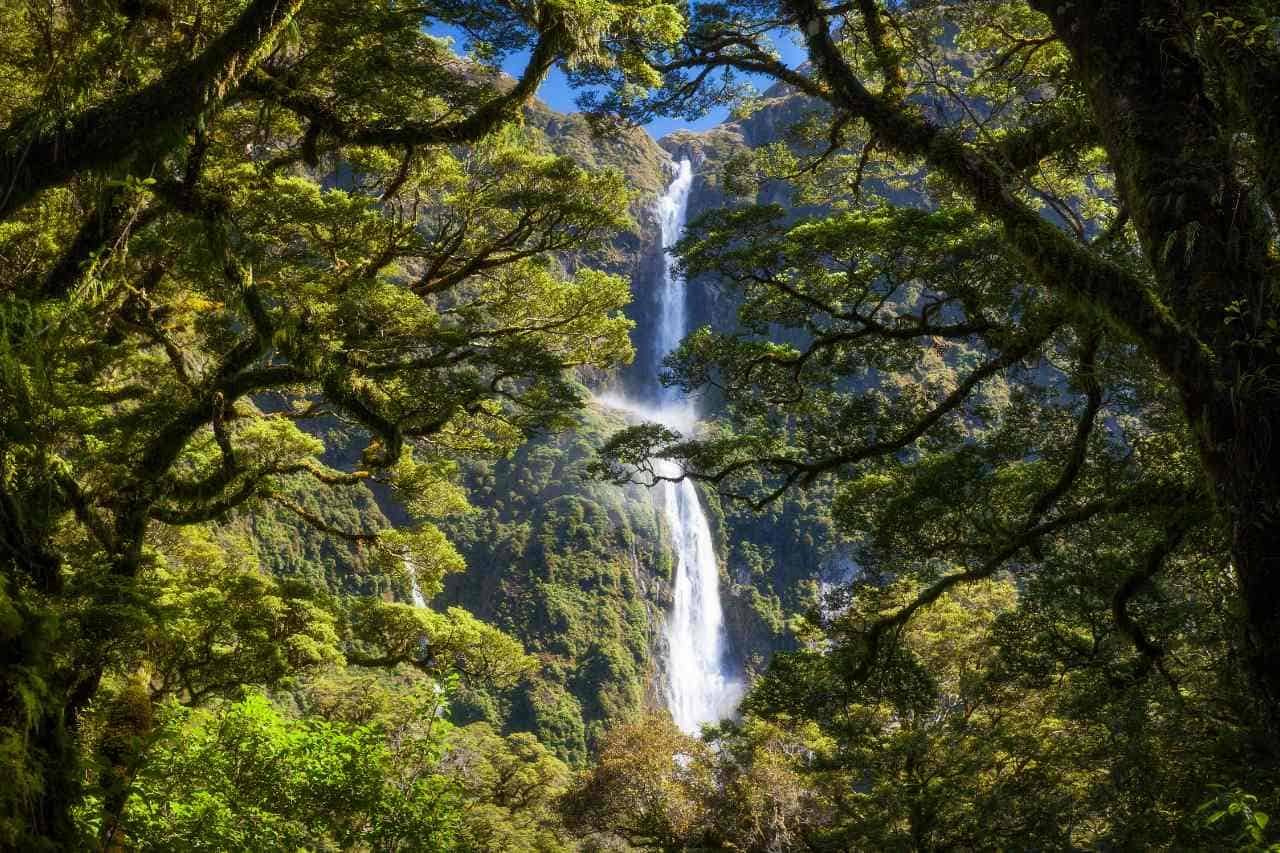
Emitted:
pixel 700 682
pixel 672 320
pixel 701 685
pixel 415 591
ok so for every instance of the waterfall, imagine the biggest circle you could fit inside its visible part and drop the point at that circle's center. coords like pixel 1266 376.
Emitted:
pixel 701 686
pixel 672 320
pixel 415 591
pixel 700 683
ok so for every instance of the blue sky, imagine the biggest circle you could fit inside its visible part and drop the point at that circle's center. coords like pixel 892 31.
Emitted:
pixel 558 95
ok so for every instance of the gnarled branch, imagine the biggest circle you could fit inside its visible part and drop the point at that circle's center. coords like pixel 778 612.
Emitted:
pixel 109 133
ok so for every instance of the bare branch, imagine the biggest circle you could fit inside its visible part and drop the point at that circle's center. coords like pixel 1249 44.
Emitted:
pixel 323 526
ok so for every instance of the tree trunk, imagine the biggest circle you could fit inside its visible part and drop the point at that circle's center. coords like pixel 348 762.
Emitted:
pixel 1238 445
pixel 41 698
pixel 1207 241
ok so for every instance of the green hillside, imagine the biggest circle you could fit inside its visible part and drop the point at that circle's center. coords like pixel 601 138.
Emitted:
pixel 389 462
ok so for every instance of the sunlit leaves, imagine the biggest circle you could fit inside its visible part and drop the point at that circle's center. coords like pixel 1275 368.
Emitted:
pixel 423 550
pixel 222 623
pixel 383 634
pixel 650 785
pixel 247 776
pixel 246 285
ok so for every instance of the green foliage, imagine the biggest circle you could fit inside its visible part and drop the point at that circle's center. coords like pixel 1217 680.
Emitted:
pixel 256 258
pixel 650 786
pixel 1003 353
pixel 1240 808
pixel 978 300
pixel 938 751
pixel 387 634
pixel 248 777
pixel 371 763
pixel 219 623
pixel 562 563
pixel 511 786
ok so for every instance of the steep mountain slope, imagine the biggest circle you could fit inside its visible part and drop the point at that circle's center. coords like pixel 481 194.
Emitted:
pixel 580 570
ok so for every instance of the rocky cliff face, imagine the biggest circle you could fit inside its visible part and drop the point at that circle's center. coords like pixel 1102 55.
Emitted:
pixel 581 571
pixel 713 153
pixel 773 562
pixel 648 167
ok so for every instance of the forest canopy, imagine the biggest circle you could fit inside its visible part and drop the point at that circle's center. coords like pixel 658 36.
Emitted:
pixel 1015 327
pixel 224 225
pixel 1007 289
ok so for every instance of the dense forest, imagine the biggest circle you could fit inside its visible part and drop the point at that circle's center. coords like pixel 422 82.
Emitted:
pixel 389 461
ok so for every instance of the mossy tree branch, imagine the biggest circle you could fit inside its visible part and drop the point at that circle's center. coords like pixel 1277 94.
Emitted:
pixel 1061 264
pixel 108 134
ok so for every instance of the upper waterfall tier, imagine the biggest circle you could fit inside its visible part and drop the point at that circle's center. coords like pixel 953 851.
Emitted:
pixel 672 314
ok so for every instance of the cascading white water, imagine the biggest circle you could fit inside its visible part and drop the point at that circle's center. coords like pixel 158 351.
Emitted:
pixel 672 320
pixel 701 686
pixel 415 591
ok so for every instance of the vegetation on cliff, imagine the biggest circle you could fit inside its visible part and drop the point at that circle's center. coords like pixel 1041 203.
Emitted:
pixel 1017 319
pixel 181 291
pixel 297 307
